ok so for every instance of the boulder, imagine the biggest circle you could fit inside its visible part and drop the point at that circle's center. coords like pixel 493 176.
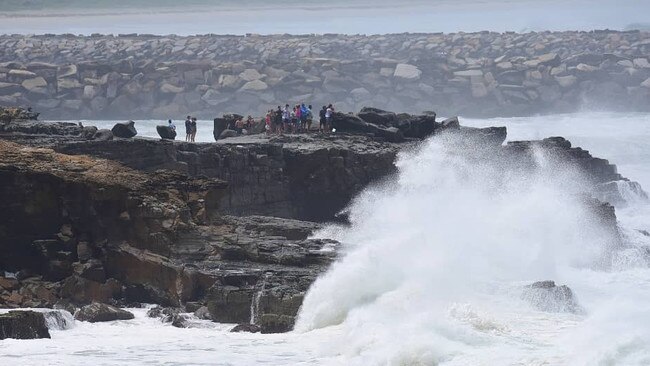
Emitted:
pixel 220 125
pixel 451 123
pixel 21 74
pixel 98 312
pixel 67 70
pixel 547 296
pixel 88 132
pixel 35 85
pixel 227 133
pixel 202 313
pixel 166 132
pixel 566 81
pixel 247 328
pixel 407 72
pixel 378 116
pixel 171 89
pixel 124 129
pixel 169 315
pixel 23 325
pixel 250 75
pixel 353 124
pixel 469 73
pixel 255 85
pixel 103 135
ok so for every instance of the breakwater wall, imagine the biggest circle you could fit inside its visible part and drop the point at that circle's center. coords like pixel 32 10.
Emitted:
pixel 472 74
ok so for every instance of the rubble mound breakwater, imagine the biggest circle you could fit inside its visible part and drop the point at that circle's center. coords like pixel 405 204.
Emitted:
pixel 472 74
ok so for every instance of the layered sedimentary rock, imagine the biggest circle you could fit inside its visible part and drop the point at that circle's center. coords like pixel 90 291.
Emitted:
pixel 474 74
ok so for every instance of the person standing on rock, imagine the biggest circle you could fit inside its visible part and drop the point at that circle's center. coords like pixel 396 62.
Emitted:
pixel 328 117
pixel 323 121
pixel 309 118
pixel 171 125
pixel 303 117
pixel 277 121
pixel 286 117
pixel 193 127
pixel 267 122
pixel 188 128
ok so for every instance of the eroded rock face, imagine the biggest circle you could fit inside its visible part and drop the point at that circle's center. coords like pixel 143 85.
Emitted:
pixel 154 229
pixel 98 312
pixel 23 325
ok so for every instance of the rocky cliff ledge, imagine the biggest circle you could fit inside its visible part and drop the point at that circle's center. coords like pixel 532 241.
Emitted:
pixel 132 221
pixel 473 74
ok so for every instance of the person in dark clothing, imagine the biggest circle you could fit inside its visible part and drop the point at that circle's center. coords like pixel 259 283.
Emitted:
pixel 323 121
pixel 188 128
pixel 193 125
pixel 277 121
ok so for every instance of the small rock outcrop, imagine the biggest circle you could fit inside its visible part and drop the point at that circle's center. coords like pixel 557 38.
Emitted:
pixel 169 315
pixel 245 328
pixel 98 312
pixel 23 325
pixel 166 132
pixel 124 130
pixel 547 296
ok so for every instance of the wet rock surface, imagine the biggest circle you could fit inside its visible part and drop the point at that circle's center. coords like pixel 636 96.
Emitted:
pixel 217 229
pixel 98 312
pixel 549 297
pixel 23 325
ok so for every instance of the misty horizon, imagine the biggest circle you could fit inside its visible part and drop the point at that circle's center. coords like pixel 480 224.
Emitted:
pixel 306 17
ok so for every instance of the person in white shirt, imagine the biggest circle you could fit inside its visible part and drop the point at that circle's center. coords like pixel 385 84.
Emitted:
pixel 328 116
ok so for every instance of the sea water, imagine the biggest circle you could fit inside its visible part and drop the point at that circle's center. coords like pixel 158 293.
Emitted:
pixel 315 16
pixel 433 269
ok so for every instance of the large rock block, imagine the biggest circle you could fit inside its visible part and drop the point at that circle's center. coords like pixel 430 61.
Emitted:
pixel 407 72
pixel 23 325
pixel 166 132
pixel 98 312
pixel 547 296
pixel 124 129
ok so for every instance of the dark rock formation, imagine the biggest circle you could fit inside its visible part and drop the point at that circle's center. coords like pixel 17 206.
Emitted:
pixel 11 114
pixel 98 312
pixel 547 296
pixel 23 325
pixel 227 133
pixel 248 328
pixel 103 135
pixel 169 315
pixel 159 226
pixel 124 129
pixel 166 132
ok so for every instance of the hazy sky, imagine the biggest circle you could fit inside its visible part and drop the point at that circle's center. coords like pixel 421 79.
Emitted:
pixel 307 16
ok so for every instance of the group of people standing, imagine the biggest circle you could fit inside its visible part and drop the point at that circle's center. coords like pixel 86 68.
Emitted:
pixel 278 121
pixel 297 119
pixel 190 128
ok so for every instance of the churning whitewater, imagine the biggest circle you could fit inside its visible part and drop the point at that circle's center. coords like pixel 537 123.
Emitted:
pixel 438 262
pixel 436 268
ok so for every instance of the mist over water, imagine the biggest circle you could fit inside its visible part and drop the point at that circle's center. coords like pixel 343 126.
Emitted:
pixel 437 260
pixel 308 16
